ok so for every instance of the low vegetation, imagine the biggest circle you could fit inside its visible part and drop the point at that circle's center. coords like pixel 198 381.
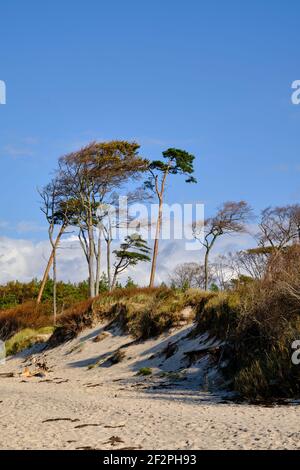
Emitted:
pixel 145 371
pixel 140 312
pixel 256 319
pixel 26 315
pixel 26 338
pixel 15 293
pixel 259 321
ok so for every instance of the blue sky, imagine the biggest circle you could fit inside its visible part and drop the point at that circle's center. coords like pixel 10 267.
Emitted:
pixel 212 77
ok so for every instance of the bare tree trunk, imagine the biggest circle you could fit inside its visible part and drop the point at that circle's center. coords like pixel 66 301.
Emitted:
pixel 156 242
pixel 208 248
pixel 108 259
pixel 49 264
pixel 115 276
pixel 51 229
pixel 206 269
pixel 91 261
pixel 84 244
pixel 54 288
pixel 114 281
pixel 98 267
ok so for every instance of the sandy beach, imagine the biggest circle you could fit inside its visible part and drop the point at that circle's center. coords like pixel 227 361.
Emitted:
pixel 83 401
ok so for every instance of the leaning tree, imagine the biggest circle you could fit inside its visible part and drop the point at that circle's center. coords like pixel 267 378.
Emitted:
pixel 133 251
pixel 59 211
pixel 89 176
pixel 231 217
pixel 176 162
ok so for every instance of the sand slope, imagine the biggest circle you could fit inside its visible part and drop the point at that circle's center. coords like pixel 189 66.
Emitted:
pixel 87 401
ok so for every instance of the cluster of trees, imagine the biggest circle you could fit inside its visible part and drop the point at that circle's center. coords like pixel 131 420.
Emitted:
pixel 278 228
pixel 15 293
pixel 85 187
pixel 87 184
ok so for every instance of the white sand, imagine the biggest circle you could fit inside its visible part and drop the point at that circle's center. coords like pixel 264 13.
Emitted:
pixel 110 407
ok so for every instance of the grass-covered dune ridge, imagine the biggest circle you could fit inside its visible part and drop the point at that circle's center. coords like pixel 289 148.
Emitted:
pixel 257 321
pixel 27 315
pixel 140 312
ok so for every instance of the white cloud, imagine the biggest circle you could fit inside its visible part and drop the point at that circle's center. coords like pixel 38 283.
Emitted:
pixel 19 259
pixel 25 259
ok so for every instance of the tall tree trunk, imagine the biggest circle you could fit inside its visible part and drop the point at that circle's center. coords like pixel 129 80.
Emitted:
pixel 156 242
pixel 51 228
pixel 98 266
pixel 206 269
pixel 91 261
pixel 49 264
pixel 114 281
pixel 108 244
pixel 54 288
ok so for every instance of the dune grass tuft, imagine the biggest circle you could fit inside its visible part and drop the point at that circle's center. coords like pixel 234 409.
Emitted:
pixel 145 371
pixel 26 338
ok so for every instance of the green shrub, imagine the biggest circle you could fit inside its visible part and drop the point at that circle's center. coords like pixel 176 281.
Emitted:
pixel 145 371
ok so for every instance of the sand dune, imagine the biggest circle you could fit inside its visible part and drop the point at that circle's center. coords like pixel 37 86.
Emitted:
pixel 83 398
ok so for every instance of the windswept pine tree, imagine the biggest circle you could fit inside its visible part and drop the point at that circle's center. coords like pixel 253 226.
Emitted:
pixel 177 162
pixel 133 251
